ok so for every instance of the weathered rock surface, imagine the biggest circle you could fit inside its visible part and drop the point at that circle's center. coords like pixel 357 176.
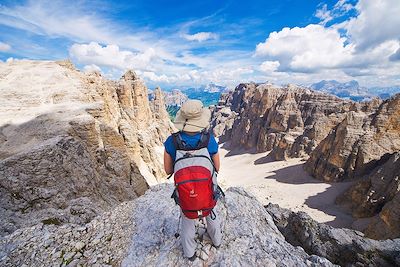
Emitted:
pixel 358 144
pixel 72 145
pixel 379 193
pixel 102 242
pixel 290 121
pixel 141 233
pixel 341 246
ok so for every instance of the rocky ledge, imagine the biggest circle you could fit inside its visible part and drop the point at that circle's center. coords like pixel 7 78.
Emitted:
pixel 341 246
pixel 142 233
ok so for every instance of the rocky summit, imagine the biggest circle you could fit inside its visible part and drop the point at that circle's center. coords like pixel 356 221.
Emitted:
pixel 290 121
pixel 142 233
pixel 73 145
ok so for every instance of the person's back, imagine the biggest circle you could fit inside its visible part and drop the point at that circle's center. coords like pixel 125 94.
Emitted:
pixel 194 142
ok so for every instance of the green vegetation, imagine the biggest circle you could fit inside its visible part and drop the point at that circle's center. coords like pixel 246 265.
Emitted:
pixel 172 110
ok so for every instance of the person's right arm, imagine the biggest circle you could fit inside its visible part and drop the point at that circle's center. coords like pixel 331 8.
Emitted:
pixel 216 160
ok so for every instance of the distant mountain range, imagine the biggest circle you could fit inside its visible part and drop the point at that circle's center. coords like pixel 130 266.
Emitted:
pixel 208 94
pixel 352 90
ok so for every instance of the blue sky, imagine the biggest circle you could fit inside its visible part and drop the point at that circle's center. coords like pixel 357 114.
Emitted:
pixel 188 43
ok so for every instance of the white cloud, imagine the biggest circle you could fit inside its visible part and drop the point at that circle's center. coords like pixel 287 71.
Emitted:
pixel 305 49
pixel 4 47
pixel 201 36
pixel 363 46
pixel 378 21
pixel 112 56
pixel 91 68
pixel 340 9
pixel 269 66
pixel 324 14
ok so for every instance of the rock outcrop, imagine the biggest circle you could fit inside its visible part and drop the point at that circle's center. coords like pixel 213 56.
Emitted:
pixel 341 246
pixel 379 193
pixel 361 142
pixel 290 121
pixel 141 233
pixel 73 145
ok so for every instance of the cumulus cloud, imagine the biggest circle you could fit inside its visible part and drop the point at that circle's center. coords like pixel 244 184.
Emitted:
pixel 377 22
pixel 348 47
pixel 111 56
pixel 201 36
pixel 269 66
pixel 305 49
pixel 4 47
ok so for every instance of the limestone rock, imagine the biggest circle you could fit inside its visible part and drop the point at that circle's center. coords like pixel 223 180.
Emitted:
pixel 341 246
pixel 358 144
pixel 141 233
pixel 73 145
pixel 290 121
pixel 379 193
pixel 249 235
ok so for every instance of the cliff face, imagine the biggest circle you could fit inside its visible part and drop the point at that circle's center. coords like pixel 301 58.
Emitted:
pixel 73 145
pixel 378 194
pixel 290 121
pixel 365 146
pixel 358 144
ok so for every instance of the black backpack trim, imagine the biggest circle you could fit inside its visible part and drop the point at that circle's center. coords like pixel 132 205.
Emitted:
pixel 181 145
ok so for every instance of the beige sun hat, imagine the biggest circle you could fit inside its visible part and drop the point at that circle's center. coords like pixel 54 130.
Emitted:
pixel 192 117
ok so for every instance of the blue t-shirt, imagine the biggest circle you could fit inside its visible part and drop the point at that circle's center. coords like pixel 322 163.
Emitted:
pixel 191 141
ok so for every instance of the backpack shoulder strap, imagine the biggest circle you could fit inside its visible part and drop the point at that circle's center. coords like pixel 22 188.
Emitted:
pixel 178 142
pixel 204 139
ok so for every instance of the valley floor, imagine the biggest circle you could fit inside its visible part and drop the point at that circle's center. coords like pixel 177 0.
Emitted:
pixel 284 183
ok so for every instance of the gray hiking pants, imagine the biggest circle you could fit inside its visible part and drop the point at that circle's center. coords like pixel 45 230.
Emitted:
pixel 188 232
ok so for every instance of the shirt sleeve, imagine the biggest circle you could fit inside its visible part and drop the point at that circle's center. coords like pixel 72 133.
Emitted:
pixel 212 145
pixel 169 147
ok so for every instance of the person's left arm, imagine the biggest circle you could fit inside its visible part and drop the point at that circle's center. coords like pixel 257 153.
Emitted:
pixel 168 163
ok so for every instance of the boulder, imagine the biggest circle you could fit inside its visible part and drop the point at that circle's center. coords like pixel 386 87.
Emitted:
pixel 344 247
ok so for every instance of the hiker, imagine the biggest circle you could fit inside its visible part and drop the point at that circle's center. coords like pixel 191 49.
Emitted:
pixel 192 156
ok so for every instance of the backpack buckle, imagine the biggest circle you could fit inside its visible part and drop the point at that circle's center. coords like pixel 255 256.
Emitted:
pixel 200 214
pixel 188 155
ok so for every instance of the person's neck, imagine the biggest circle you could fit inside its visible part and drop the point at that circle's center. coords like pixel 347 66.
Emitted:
pixel 190 133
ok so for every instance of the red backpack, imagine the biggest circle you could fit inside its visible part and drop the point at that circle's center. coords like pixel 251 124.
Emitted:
pixel 196 189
